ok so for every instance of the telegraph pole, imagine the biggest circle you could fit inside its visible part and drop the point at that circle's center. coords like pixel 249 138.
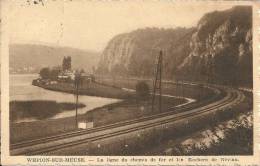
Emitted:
pixel 77 82
pixel 182 82
pixel 77 100
pixel 158 82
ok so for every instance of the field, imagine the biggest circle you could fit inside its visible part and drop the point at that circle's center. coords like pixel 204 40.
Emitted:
pixel 90 89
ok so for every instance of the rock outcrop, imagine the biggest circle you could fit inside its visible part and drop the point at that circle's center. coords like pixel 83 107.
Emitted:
pixel 218 49
pixel 135 53
pixel 221 47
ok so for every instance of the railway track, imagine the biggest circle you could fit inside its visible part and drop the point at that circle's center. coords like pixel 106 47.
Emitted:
pixel 230 98
pixel 87 131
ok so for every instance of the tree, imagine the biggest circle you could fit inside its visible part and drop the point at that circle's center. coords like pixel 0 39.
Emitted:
pixel 66 63
pixel 69 63
pixel 54 73
pixel 45 73
pixel 142 90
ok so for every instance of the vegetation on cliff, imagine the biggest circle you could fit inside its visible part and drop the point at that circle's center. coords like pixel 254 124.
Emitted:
pixel 218 49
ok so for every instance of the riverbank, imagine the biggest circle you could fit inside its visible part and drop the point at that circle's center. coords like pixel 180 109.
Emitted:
pixel 127 109
pixel 89 89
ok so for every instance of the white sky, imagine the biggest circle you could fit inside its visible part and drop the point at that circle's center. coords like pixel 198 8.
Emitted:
pixel 90 25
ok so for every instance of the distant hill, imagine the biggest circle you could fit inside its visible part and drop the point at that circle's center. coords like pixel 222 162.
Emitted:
pixel 218 49
pixel 38 56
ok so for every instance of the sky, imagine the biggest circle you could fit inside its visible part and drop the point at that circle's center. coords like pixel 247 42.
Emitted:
pixel 90 25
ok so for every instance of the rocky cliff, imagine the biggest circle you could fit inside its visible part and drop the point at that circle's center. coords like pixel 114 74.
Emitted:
pixel 221 47
pixel 218 49
pixel 135 53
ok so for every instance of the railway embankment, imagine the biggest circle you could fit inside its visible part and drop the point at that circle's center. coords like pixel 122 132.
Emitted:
pixel 230 137
pixel 144 133
pixel 137 142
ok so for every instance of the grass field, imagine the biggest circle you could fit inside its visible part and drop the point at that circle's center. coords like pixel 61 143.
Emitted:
pixel 90 89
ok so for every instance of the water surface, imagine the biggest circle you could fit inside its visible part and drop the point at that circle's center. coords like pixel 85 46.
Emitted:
pixel 21 89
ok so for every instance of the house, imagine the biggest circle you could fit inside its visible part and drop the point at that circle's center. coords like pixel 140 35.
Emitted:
pixel 67 75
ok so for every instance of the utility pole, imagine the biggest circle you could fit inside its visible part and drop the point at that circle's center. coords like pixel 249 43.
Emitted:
pixel 158 82
pixel 77 83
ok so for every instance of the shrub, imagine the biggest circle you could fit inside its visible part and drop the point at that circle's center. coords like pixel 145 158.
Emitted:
pixel 45 73
pixel 142 90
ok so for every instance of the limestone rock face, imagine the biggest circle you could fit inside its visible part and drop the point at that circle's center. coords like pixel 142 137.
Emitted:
pixel 135 53
pixel 219 47
pixel 222 46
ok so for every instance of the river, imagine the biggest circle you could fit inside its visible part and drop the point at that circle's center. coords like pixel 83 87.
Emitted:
pixel 21 89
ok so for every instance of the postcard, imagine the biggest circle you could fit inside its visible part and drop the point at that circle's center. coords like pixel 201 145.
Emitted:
pixel 130 82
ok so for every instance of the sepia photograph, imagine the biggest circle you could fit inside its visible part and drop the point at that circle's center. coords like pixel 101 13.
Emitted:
pixel 97 78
